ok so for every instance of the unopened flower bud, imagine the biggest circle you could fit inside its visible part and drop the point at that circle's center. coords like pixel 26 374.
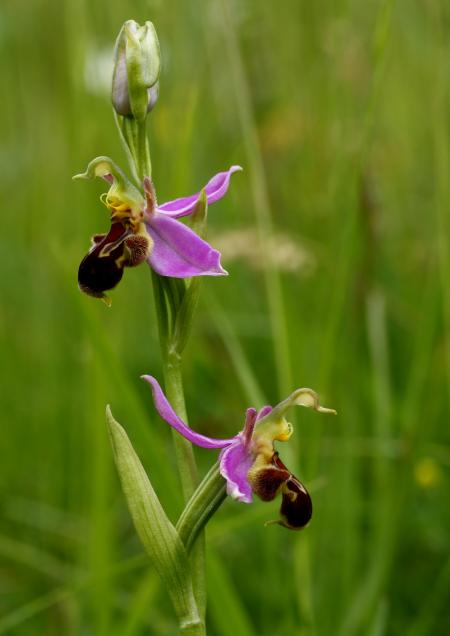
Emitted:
pixel 153 94
pixel 136 70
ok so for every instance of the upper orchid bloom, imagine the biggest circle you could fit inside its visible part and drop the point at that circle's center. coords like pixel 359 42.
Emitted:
pixel 141 230
pixel 248 461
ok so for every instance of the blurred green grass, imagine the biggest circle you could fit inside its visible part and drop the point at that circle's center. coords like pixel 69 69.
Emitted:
pixel 338 112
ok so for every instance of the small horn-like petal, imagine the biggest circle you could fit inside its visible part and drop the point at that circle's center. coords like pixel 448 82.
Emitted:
pixel 215 189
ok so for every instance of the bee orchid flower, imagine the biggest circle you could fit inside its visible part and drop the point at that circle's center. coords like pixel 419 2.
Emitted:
pixel 248 461
pixel 141 230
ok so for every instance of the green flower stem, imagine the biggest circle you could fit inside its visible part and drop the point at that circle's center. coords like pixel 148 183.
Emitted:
pixel 133 135
pixel 187 469
pixel 165 299
pixel 209 495
pixel 184 453
pixel 143 150
pixel 174 389
pixel 162 315
pixel 127 140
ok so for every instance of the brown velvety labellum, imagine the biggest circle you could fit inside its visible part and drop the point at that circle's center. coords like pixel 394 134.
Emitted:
pixel 296 506
pixel 266 482
pixel 96 273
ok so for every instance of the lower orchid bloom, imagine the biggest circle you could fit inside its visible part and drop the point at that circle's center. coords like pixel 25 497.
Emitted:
pixel 143 231
pixel 248 461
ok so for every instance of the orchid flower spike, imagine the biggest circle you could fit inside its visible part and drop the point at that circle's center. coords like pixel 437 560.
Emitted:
pixel 143 231
pixel 248 461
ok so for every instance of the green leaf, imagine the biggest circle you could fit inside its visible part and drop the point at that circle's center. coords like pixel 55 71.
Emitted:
pixel 158 535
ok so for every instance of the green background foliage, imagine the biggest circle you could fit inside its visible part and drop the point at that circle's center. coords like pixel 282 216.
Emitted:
pixel 336 240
